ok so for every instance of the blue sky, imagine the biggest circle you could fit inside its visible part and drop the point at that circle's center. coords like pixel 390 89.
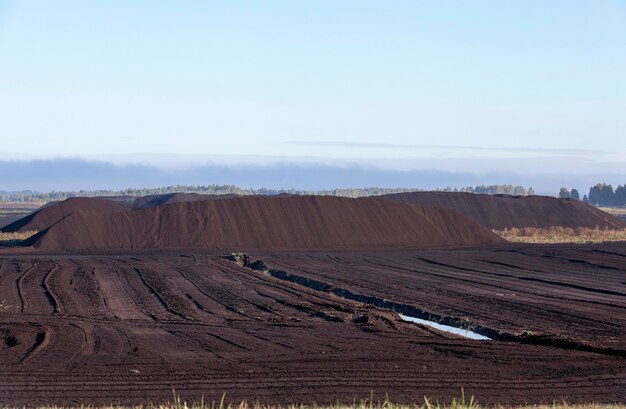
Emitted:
pixel 485 86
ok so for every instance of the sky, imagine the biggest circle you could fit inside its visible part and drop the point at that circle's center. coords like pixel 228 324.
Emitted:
pixel 533 89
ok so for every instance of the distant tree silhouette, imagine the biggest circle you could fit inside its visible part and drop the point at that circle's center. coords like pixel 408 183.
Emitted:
pixel 564 193
pixel 620 195
pixel 574 194
pixel 601 195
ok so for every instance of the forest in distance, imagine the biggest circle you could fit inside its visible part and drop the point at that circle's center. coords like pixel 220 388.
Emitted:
pixel 29 196
pixel 601 194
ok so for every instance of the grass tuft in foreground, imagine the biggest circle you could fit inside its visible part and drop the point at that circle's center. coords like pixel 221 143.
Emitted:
pixel 13 239
pixel 558 234
pixel 360 405
pixel 457 403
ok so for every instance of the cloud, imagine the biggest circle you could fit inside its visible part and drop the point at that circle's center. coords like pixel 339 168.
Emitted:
pixel 77 174
pixel 351 144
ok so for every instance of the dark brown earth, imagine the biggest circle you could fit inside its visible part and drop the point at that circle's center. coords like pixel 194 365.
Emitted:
pixel 52 213
pixel 103 325
pixel 127 327
pixel 267 222
pixel 494 212
pixel 503 211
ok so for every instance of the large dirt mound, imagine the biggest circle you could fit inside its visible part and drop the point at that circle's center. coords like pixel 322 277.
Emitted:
pixel 504 211
pixel 263 222
pixel 52 213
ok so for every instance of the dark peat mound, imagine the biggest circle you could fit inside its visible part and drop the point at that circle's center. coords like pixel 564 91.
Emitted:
pixel 503 211
pixel 267 222
pixel 52 213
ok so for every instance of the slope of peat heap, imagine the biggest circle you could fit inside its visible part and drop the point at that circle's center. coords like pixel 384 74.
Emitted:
pixel 263 222
pixel 52 213
pixel 500 212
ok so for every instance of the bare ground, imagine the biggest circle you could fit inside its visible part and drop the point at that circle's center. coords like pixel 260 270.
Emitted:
pixel 124 327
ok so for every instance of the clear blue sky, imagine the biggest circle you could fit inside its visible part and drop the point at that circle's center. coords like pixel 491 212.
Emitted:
pixel 403 82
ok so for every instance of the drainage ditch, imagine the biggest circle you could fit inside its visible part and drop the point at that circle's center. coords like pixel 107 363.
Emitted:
pixel 412 314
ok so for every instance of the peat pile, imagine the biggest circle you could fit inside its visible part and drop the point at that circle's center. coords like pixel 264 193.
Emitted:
pixel 264 222
pixel 52 213
pixel 503 211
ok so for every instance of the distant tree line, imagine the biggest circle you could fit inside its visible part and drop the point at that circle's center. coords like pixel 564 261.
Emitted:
pixel 564 193
pixel 599 195
pixel 39 197
pixel 603 195
pixel 493 190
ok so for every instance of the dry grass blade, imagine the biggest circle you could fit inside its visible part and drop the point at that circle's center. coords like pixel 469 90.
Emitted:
pixel 427 404
pixel 14 238
pixel 369 403
pixel 558 234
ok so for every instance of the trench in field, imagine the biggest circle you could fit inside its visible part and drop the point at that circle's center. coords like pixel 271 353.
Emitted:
pixel 405 312
pixel 416 315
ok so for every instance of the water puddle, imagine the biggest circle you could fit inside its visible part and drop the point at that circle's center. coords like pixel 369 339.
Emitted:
pixel 446 328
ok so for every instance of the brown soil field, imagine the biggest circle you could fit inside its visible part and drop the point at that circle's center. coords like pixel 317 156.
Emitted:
pixel 100 327
pixel 103 309
pixel 501 212
pixel 265 222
